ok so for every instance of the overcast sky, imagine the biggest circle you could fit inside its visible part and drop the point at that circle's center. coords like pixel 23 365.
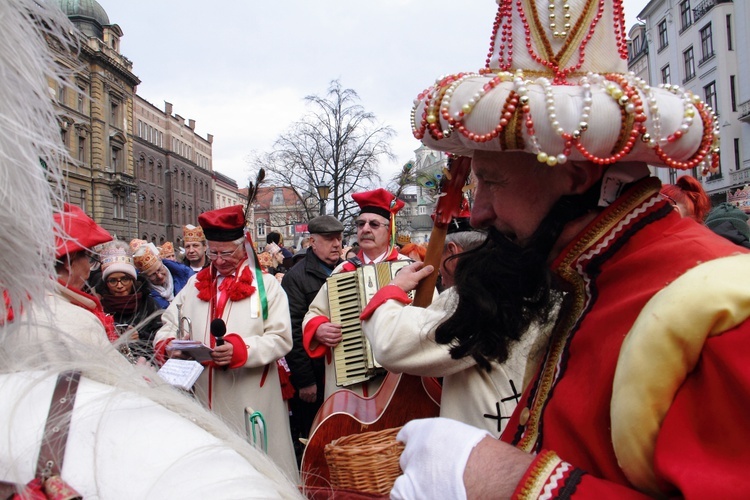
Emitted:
pixel 242 69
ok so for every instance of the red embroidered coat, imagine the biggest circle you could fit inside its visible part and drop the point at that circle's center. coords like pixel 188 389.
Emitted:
pixel 626 255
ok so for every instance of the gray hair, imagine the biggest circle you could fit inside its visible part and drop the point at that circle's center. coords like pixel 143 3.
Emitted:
pixel 467 240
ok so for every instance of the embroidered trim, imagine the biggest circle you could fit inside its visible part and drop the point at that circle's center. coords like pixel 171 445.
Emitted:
pixel 571 268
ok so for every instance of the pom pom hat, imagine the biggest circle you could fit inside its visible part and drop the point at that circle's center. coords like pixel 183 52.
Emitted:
pixel 75 231
pixel 378 201
pixel 223 224
pixel 555 85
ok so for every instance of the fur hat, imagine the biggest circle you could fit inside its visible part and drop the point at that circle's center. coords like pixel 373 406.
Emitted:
pixel 76 231
pixel 146 258
pixel 726 212
pixel 193 234
pixel 116 258
pixel 378 201
pixel 555 85
pixel 223 224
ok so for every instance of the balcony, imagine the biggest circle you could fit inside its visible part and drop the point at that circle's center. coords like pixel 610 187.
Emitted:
pixel 739 177
pixel 702 8
pixel 744 112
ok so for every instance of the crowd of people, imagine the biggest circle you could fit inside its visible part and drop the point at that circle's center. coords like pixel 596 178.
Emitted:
pixel 588 331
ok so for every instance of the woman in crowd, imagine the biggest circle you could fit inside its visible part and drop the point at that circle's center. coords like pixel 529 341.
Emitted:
pixel 125 296
pixel 688 197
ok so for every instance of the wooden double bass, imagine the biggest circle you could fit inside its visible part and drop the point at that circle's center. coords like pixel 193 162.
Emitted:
pixel 401 397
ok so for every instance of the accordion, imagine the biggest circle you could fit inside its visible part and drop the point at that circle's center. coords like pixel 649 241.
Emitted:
pixel 348 294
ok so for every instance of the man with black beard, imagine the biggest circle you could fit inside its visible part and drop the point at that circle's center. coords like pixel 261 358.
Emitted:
pixel 649 348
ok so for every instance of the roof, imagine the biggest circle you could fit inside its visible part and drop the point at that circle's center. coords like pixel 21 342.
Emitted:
pixel 89 9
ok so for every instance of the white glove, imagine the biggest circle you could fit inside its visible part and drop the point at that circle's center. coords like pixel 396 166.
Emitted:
pixel 434 459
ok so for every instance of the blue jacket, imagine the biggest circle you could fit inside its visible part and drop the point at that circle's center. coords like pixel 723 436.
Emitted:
pixel 180 275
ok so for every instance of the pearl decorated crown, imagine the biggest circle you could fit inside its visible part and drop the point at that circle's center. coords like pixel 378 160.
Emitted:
pixel 146 258
pixel 555 84
pixel 193 234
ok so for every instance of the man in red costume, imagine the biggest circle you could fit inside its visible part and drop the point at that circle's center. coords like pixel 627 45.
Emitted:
pixel 649 348
pixel 255 313
pixel 375 234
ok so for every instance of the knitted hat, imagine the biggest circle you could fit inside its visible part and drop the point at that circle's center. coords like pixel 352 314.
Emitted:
pixel 193 234
pixel 146 258
pixel 726 212
pixel 555 84
pixel 378 201
pixel 116 258
pixel 223 224
pixel 75 231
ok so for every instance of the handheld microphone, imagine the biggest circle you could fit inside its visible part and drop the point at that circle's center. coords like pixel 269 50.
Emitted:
pixel 218 329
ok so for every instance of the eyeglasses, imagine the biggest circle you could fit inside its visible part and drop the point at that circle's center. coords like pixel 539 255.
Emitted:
pixel 212 255
pixel 125 280
pixel 373 224
pixel 162 271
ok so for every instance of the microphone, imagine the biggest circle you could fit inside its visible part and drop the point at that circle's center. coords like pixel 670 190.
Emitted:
pixel 218 329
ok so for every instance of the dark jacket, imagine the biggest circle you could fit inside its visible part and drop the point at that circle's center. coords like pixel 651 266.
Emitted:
pixel 133 314
pixel 302 283
pixel 180 276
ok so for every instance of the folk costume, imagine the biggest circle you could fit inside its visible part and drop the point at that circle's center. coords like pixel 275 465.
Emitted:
pixel 600 421
pixel 380 202
pixel 256 314
pixel 403 341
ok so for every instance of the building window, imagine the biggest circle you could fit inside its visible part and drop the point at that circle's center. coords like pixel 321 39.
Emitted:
pixel 114 113
pixel 663 39
pixel 665 77
pixel 151 171
pixel 709 92
pixel 707 43
pixel 737 159
pixel 689 60
pixel 81 97
pixel 685 17
pixel 118 206
pixel 733 92
pixel 115 158
pixel 261 228
pixel 83 203
pixel 161 212
pixel 82 149
pixel 159 175
pixel 61 94
pixel 729 32
pixel 64 134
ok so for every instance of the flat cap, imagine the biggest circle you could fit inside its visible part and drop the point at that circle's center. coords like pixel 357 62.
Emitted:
pixel 325 224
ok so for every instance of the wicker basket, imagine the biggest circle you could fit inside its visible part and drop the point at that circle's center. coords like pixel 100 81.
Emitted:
pixel 366 462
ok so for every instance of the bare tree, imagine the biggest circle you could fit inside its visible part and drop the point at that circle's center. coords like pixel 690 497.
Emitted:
pixel 338 144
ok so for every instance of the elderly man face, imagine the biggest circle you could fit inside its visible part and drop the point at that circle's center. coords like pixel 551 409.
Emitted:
pixel 158 277
pixel 373 234
pixel 327 247
pixel 226 256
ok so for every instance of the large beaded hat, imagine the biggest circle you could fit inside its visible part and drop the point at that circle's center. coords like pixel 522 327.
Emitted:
pixel 555 84
pixel 115 257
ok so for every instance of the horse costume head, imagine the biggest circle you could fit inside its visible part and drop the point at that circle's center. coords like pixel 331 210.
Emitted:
pixel 129 435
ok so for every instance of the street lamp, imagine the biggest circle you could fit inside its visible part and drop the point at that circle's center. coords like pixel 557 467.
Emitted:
pixel 323 191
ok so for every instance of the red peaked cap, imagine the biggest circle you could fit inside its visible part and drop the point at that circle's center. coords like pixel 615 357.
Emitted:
pixel 75 231
pixel 223 224
pixel 461 222
pixel 378 201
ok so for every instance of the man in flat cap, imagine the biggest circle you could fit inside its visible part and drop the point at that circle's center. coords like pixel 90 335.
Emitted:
pixel 243 315
pixel 376 237
pixel 302 284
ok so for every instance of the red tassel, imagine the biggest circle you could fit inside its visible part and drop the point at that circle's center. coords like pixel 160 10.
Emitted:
pixel 287 389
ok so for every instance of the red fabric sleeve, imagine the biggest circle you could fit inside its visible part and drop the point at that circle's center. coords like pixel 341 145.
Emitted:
pixel 160 350
pixel 390 292
pixel 239 354
pixel 309 334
